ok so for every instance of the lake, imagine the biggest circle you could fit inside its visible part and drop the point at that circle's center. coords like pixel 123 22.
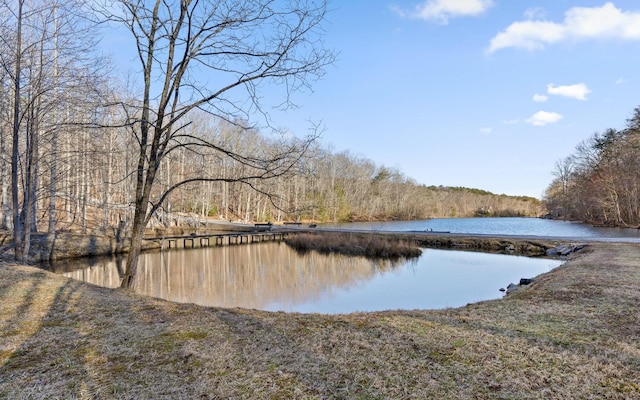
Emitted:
pixel 270 276
pixel 498 226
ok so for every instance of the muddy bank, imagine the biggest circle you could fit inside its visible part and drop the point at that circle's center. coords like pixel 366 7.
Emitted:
pixel 74 245
pixel 45 247
pixel 503 245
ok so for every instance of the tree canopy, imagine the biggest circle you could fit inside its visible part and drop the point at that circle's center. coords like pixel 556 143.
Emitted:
pixel 600 181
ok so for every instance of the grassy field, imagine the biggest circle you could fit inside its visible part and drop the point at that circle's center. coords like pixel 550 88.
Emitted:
pixel 573 334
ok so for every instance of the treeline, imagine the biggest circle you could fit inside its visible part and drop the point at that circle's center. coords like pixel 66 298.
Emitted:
pixel 94 185
pixel 70 147
pixel 600 182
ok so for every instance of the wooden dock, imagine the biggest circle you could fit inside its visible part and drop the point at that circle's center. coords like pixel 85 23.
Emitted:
pixel 217 239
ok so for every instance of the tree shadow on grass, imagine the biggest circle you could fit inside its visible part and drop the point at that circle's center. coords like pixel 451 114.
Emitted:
pixel 54 348
pixel 69 339
pixel 63 338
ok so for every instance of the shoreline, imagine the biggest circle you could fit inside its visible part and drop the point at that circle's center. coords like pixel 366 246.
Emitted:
pixel 76 246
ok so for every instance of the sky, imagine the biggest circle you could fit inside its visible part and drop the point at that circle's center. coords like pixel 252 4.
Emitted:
pixel 485 94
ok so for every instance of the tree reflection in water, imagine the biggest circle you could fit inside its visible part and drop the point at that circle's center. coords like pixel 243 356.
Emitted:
pixel 271 276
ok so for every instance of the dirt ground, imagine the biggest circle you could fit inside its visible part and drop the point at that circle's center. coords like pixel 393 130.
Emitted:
pixel 573 333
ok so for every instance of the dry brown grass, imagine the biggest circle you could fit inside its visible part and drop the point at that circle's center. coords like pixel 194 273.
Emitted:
pixel 353 244
pixel 574 333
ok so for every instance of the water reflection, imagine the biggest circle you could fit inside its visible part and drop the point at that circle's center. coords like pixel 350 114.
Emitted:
pixel 270 276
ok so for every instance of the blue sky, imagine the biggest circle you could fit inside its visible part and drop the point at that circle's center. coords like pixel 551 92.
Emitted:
pixel 486 94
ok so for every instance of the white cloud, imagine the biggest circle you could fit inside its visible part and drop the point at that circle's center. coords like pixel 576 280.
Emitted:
pixel 486 130
pixel 442 10
pixel 535 13
pixel 510 121
pixel 530 35
pixel 578 91
pixel 580 23
pixel 542 118
pixel 540 98
pixel 620 81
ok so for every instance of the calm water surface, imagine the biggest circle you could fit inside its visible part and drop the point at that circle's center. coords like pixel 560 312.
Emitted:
pixel 498 226
pixel 271 276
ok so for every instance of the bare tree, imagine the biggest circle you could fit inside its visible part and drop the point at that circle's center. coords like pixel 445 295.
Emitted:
pixel 44 50
pixel 604 177
pixel 18 226
pixel 558 200
pixel 214 56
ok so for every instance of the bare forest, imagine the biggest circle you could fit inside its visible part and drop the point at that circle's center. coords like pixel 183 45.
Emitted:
pixel 83 149
pixel 600 182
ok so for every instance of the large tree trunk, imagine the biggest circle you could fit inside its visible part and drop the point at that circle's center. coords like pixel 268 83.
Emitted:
pixel 137 234
pixel 18 227
pixel 53 167
pixel 143 193
pixel 139 218
pixel 5 211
